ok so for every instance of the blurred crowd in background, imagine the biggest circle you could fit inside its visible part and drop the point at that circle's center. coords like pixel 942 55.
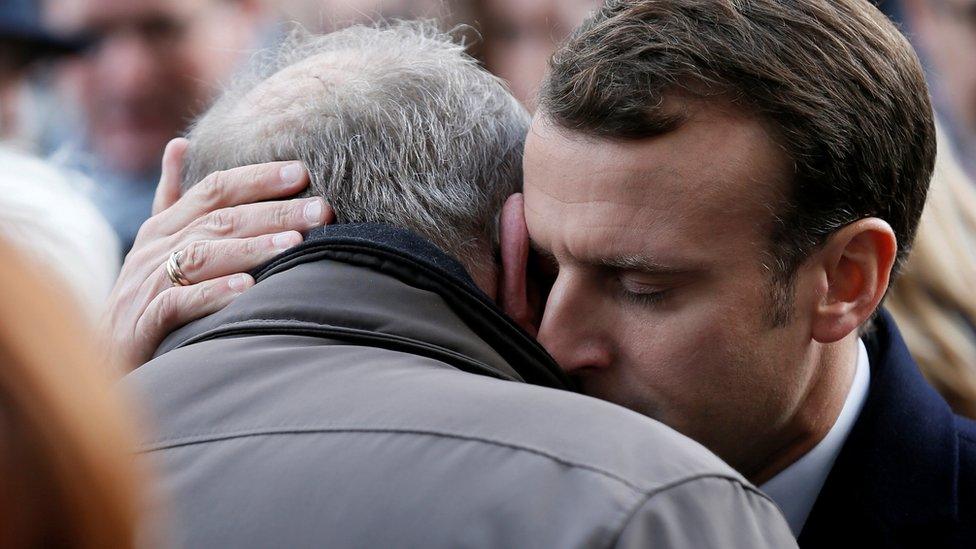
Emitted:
pixel 98 87
pixel 113 80
pixel 125 77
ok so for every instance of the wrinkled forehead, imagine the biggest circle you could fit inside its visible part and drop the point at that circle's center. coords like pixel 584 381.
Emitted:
pixel 714 155
pixel 716 180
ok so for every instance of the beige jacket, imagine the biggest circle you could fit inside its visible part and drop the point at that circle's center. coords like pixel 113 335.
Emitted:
pixel 363 394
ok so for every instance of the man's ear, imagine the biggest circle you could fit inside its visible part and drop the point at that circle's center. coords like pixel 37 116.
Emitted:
pixel 513 237
pixel 856 265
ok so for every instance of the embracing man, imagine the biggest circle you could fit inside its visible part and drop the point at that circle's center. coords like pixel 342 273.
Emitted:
pixel 719 194
pixel 367 391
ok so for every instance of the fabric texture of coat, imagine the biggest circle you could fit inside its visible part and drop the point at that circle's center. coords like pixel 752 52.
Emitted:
pixel 364 393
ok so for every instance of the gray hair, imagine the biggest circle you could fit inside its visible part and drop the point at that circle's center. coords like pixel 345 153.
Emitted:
pixel 405 128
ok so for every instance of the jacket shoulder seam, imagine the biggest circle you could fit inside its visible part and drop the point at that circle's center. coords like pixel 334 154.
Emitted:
pixel 651 494
pixel 191 440
pixel 349 336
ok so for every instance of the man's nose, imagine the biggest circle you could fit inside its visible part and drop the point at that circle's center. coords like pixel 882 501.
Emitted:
pixel 574 327
pixel 126 65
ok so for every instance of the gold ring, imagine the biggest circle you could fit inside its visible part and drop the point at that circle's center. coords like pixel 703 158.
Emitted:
pixel 174 272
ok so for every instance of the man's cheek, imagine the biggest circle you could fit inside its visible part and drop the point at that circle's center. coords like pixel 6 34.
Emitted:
pixel 684 354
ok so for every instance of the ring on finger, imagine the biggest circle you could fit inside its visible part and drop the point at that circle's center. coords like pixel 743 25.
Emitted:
pixel 174 271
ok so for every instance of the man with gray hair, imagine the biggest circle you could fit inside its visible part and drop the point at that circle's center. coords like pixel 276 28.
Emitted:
pixel 367 391
pixel 396 127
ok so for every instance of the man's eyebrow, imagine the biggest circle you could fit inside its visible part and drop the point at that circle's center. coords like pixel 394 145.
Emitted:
pixel 642 264
pixel 625 263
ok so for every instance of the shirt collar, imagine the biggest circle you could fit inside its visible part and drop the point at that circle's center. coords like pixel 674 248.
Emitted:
pixel 795 489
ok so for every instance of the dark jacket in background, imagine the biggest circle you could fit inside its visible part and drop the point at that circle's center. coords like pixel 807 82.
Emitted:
pixel 906 477
pixel 365 394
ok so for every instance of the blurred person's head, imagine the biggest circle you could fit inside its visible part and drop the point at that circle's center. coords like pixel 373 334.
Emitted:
pixel 150 66
pixel 395 124
pixel 933 299
pixel 945 31
pixel 726 189
pixel 520 36
pixel 67 471
pixel 23 42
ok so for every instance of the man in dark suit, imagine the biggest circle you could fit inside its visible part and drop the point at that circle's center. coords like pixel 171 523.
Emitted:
pixel 906 476
pixel 743 180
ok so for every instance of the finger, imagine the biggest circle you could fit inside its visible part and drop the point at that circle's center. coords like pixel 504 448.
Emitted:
pixel 145 266
pixel 144 271
pixel 179 305
pixel 168 191
pixel 209 259
pixel 234 187
pixel 250 220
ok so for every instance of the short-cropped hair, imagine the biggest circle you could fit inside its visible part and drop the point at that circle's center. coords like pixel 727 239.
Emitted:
pixel 840 87
pixel 403 128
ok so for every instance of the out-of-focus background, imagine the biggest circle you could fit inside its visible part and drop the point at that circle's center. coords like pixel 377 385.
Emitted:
pixel 125 76
pixel 97 87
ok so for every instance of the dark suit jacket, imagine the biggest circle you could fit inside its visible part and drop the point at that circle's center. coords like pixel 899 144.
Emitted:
pixel 906 477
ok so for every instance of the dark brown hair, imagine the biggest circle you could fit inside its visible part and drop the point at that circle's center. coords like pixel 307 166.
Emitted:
pixel 840 86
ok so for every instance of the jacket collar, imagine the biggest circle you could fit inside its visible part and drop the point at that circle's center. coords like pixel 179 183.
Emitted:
pixel 899 466
pixel 378 285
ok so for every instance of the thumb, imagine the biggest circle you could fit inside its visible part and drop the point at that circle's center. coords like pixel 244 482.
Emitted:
pixel 168 191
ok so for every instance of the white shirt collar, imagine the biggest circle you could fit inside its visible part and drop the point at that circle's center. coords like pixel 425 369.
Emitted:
pixel 795 489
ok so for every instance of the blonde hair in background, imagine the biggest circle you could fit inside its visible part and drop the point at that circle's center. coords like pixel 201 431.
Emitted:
pixel 67 462
pixel 934 300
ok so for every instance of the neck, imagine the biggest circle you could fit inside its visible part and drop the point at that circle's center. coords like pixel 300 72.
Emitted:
pixel 483 268
pixel 817 411
pixel 487 280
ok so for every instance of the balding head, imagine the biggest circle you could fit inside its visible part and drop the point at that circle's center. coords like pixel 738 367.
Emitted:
pixel 284 96
pixel 396 125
